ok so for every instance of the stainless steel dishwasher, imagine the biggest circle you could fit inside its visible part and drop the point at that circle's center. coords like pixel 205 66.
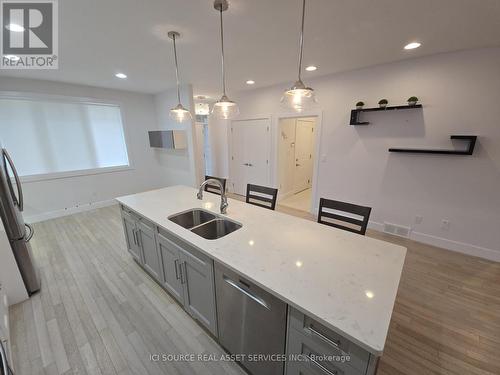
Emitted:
pixel 251 322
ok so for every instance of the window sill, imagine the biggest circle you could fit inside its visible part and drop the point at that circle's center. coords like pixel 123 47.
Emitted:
pixel 70 174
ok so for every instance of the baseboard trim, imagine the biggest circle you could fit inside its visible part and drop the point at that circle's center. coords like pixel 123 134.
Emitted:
pixel 461 247
pixel 69 211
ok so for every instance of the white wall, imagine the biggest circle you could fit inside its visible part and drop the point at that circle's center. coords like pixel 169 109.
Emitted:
pixel 460 93
pixel 150 170
pixel 181 165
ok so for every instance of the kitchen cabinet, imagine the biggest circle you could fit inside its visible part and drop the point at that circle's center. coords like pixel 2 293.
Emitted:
pixel 170 255
pixel 325 351
pixel 189 276
pixel 141 242
pixel 147 242
pixel 130 228
pixel 186 273
pixel 197 276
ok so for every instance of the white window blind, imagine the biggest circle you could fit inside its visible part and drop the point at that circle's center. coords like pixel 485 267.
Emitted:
pixel 47 137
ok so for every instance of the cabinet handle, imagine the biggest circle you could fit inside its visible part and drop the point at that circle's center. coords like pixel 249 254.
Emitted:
pixel 176 262
pixel 133 235
pixel 322 368
pixel 324 338
pixel 183 272
pixel 138 238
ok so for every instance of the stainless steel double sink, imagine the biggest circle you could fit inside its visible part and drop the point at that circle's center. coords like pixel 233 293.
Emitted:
pixel 205 224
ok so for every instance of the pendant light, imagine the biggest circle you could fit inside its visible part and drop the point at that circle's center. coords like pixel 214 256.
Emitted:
pixel 224 108
pixel 178 113
pixel 299 96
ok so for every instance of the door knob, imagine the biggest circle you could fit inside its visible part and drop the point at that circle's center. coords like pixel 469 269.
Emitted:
pixel 297 165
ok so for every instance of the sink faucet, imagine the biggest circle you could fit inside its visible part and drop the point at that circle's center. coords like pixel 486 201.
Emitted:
pixel 223 198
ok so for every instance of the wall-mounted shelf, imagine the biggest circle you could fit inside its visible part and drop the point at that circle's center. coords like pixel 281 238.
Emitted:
pixel 356 112
pixel 471 139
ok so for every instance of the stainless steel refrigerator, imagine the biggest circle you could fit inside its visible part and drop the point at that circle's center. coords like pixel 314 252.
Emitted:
pixel 18 232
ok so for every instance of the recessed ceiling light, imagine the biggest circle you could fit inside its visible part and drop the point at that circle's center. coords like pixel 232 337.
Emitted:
pixel 413 45
pixel 15 27
pixel 311 68
pixel 120 75
pixel 369 294
pixel 250 82
pixel 12 57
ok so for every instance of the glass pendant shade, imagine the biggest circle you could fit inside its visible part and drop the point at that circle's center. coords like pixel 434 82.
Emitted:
pixel 299 97
pixel 225 109
pixel 180 114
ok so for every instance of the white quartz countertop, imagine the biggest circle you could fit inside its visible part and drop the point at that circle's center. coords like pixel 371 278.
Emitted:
pixel 345 281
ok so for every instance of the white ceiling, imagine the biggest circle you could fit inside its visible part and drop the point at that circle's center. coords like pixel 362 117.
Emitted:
pixel 101 37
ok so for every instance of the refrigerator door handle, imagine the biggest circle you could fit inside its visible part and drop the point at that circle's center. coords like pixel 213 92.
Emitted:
pixel 32 232
pixel 3 359
pixel 16 176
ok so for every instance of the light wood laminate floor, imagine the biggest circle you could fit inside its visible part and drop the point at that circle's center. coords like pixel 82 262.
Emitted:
pixel 98 312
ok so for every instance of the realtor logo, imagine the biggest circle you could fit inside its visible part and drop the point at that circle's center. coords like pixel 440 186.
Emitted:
pixel 29 37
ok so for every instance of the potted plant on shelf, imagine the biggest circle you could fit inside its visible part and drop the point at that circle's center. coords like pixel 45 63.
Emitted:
pixel 412 101
pixel 383 103
pixel 359 105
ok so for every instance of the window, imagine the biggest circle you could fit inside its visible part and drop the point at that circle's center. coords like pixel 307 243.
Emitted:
pixel 47 137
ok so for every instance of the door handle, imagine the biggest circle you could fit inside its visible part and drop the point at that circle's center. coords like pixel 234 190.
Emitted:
pixel 18 181
pixel 245 164
pixel 252 296
pixel 250 164
pixel 3 357
pixel 297 165
pixel 32 232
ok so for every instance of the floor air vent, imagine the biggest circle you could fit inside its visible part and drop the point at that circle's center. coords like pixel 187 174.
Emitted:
pixel 397 230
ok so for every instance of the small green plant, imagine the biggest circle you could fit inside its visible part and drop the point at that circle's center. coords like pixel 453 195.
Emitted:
pixel 360 105
pixel 383 103
pixel 412 100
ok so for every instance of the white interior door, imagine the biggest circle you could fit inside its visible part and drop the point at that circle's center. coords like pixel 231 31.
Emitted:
pixel 304 145
pixel 250 142
pixel 286 156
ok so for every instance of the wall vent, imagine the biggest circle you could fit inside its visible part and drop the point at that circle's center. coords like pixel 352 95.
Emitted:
pixel 397 230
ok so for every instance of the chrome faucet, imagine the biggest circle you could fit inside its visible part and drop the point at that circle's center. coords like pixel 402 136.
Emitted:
pixel 223 198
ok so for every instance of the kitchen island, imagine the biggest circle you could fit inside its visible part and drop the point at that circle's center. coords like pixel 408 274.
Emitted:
pixel 343 282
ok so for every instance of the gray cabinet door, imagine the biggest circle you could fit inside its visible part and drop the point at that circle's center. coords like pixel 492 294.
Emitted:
pixel 197 276
pixel 129 227
pixel 170 255
pixel 147 241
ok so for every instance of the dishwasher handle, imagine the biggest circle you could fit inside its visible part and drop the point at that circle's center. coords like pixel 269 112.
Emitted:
pixel 252 296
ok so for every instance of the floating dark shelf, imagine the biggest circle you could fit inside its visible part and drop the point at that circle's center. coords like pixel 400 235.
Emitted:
pixel 470 138
pixel 355 112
